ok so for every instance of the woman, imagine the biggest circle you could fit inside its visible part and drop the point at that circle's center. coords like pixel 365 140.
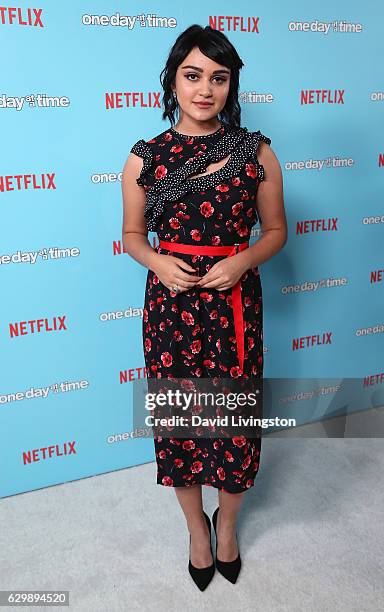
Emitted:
pixel 203 184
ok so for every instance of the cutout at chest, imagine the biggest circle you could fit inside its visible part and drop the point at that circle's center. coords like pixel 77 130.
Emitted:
pixel 212 168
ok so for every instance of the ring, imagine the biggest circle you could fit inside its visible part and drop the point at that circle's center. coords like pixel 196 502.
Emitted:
pixel 175 288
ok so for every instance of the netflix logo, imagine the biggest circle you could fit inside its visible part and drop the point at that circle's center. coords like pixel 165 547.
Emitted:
pixel 47 452
pixel 132 99
pixel 133 374
pixel 37 326
pixel 317 225
pixel 322 96
pixel 309 341
pixel 19 16
pixel 373 379
pixel 22 182
pixel 377 276
pixel 230 23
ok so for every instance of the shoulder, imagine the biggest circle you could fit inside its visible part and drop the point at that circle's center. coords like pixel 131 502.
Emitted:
pixel 146 147
pixel 143 153
pixel 265 154
pixel 259 140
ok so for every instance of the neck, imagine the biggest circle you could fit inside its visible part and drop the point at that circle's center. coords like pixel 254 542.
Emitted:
pixel 197 128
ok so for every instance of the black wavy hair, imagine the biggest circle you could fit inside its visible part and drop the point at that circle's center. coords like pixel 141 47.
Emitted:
pixel 217 47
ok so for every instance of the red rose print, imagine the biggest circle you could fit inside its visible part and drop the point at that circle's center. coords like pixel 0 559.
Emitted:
pixel 235 372
pixel 196 346
pixel 221 473
pixel 206 209
pixel 196 467
pixel 187 317
pixel 167 360
pixel 196 330
pixel 167 481
pixel 229 457
pixel 223 187
pixel 236 208
pixel 174 223
pixel 209 363
pixel 239 440
pixel 176 148
pixel 160 172
pixel 243 231
pixel 205 295
pixel 196 234
pixel 188 445
pixel 250 169
pixel 182 216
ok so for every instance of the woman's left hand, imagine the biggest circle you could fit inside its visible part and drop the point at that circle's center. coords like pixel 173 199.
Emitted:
pixel 223 274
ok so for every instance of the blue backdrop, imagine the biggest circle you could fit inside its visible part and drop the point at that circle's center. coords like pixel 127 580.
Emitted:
pixel 79 88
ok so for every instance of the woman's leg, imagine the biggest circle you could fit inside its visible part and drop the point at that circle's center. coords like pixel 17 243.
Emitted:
pixel 191 502
pixel 229 504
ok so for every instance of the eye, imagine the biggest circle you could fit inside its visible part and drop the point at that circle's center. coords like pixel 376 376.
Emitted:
pixel 220 79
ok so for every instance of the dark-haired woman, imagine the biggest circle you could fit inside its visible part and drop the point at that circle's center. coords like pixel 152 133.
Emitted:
pixel 202 185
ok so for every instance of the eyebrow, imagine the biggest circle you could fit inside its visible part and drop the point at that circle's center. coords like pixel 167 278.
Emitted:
pixel 221 71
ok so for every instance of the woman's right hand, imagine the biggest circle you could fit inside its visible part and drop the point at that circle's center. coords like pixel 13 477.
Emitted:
pixel 170 272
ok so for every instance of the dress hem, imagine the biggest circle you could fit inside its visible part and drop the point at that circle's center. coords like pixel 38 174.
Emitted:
pixel 207 484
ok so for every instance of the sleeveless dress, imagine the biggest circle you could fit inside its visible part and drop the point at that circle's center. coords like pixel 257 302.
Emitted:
pixel 191 333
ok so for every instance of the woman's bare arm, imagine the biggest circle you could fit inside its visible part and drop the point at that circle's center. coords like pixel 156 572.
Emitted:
pixel 170 270
pixel 135 231
pixel 270 206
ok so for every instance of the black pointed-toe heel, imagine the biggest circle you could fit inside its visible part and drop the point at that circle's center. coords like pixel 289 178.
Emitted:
pixel 229 569
pixel 202 576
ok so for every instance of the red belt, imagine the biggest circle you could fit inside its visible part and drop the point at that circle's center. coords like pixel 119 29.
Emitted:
pixel 237 306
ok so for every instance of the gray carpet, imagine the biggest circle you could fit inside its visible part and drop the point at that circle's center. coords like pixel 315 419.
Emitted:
pixel 310 535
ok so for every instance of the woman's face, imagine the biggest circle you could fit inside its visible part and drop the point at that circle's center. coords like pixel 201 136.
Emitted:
pixel 200 79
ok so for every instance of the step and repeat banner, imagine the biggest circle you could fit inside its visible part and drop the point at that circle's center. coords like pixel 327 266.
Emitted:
pixel 80 85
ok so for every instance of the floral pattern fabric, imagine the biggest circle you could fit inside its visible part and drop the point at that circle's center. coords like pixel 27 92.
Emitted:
pixel 191 333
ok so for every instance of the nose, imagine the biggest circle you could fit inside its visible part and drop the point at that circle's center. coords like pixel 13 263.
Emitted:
pixel 206 89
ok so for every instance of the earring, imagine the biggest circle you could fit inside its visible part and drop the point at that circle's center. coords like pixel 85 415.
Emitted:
pixel 175 96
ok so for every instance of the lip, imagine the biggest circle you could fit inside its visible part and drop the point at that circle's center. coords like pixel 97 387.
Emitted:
pixel 204 104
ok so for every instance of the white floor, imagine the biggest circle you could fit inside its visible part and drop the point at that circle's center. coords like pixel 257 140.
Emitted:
pixel 311 536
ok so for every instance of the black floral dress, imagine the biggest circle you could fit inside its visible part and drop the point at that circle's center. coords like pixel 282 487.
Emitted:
pixel 191 333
